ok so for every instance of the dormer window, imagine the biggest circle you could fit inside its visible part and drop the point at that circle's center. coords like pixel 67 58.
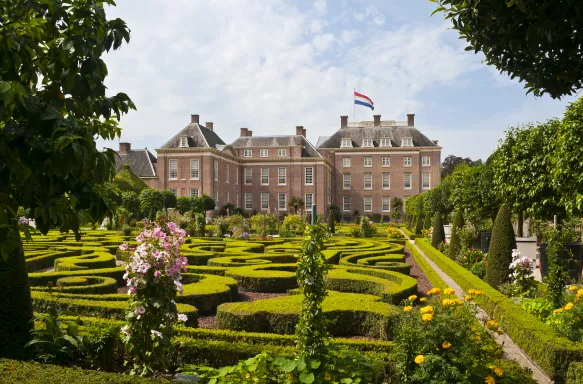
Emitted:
pixel 367 143
pixel 346 143
pixel 385 142
pixel 183 141
pixel 406 142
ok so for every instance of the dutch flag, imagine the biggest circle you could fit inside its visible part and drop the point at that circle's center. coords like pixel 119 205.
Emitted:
pixel 361 99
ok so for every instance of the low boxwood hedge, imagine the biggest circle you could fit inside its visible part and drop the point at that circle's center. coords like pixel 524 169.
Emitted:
pixel 84 285
pixel 429 272
pixel 408 233
pixel 97 260
pixel 575 373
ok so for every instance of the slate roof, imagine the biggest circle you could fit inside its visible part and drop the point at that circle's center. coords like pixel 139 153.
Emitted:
pixel 141 162
pixel 198 136
pixel 357 134
pixel 308 149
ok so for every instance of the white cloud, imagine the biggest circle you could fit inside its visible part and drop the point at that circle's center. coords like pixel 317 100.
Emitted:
pixel 349 36
pixel 322 42
pixel 358 16
pixel 320 6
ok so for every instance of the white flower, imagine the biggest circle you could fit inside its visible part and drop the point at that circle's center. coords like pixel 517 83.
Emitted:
pixel 156 333
pixel 182 317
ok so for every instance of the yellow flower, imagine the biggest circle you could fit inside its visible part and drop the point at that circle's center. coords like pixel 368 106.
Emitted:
pixel 477 338
pixel 478 293
pixel 457 301
pixel 580 292
pixel 446 345
pixel 490 380
pixel 427 317
pixel 569 306
pixel 491 324
pixel 468 298
pixel 419 359
pixel 447 302
pixel 247 375
pixel 412 298
pixel 449 291
pixel 423 299
pixel 434 291
pixel 472 291
pixel 499 371
pixel 408 309
pixel 572 288
pixel 559 310
pixel 327 376
pixel 426 309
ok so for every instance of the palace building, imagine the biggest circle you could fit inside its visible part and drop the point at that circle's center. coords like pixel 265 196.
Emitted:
pixel 360 168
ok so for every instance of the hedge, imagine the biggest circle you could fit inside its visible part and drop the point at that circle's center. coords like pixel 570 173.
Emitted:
pixel 98 260
pixel 265 278
pixel 408 233
pixel 575 373
pixel 542 343
pixel 207 292
pixel 44 278
pixel 84 285
pixel 429 272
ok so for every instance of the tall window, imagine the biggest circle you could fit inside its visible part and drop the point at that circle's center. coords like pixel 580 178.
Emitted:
pixel 281 152
pixel 216 198
pixel 426 161
pixel 368 180
pixel 281 179
pixel 346 203
pixel 237 200
pixel 194 174
pixel 367 143
pixel 237 175
pixel 227 197
pixel 247 153
pixel 426 180
pixel 183 141
pixel 407 161
pixel 386 203
pixel 346 143
pixel 386 162
pixel 227 171
pixel 407 180
pixel 309 177
pixel 346 181
pixel 263 153
pixel 368 161
pixel 368 203
pixel 216 170
pixel 173 191
pixel 385 143
pixel 264 200
pixel 309 200
pixel 386 181
pixel 248 176
pixel 173 169
pixel 264 176
pixel 248 201
pixel 346 162
pixel 406 142
pixel 281 202
pixel 193 192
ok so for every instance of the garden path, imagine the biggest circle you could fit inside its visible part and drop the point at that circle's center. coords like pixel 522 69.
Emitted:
pixel 511 350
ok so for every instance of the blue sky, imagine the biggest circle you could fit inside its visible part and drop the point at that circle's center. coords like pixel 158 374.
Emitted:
pixel 272 65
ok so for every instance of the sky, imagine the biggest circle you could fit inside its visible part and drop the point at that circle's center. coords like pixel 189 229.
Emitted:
pixel 272 65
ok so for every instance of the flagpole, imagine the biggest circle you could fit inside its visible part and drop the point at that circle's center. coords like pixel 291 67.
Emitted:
pixel 354 105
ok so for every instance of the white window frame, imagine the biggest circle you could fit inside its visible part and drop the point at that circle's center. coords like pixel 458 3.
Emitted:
pixel 386 183
pixel 280 206
pixel 346 177
pixel 216 170
pixel 194 192
pixel 227 173
pixel 369 198
pixel 368 142
pixel 311 176
pixel 174 191
pixel 172 168
pixel 344 200
pixel 194 169
pixel 407 161
pixel 346 142
pixel 237 200
pixel 369 182
pixel 227 197
pixel 281 152
pixel 423 175
pixel 346 162
pixel 248 200
pixel 410 175
pixel 426 161
pixel 236 175
pixel 368 161
pixel 406 142
pixel 264 176
pixel 183 142
pixel 247 153
pixel 263 152
pixel 386 162
pixel 248 173
pixel 385 142
pixel 216 198
pixel 386 199
pixel 282 175
pixel 309 206
pixel 264 200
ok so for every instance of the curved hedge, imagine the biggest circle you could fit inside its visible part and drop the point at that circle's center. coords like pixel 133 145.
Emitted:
pixel 97 260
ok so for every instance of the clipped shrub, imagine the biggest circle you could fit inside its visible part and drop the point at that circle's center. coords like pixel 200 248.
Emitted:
pixel 418 224
pixel 501 245
pixel 454 241
pixel 438 234
pixel 427 222
pixel 331 227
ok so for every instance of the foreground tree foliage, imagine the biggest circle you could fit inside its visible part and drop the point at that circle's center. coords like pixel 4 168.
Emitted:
pixel 52 107
pixel 538 41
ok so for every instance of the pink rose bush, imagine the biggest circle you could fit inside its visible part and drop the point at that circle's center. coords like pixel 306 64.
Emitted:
pixel 154 278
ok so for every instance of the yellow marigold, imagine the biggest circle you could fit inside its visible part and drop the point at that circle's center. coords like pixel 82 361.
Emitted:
pixel 478 293
pixel 569 306
pixel 427 309
pixel 423 299
pixel 471 291
pixel 580 292
pixel 247 375
pixel 427 317
pixel 491 324
pixel 408 309
pixel 449 291
pixel 412 298
pixel 559 310
pixel 419 359
pixel 327 376
pixel 468 298
pixel 434 291
pixel 446 345
pixel 490 380
pixel 457 301
pixel 477 338
pixel 499 371
pixel 572 288
pixel 448 302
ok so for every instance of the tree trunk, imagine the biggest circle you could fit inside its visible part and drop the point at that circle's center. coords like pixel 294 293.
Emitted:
pixel 520 224
pixel 15 306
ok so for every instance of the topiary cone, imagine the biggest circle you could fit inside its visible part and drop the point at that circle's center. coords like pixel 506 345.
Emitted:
pixel 438 234
pixel 419 224
pixel 502 243
pixel 454 240
pixel 427 222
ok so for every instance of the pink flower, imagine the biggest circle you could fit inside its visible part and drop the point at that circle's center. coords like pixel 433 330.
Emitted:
pixel 123 247
pixel 157 274
pixel 132 291
pixel 171 226
pixel 140 310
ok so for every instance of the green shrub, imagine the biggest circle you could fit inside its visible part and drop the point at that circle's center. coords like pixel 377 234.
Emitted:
pixel 479 269
pixel 575 373
pixel 331 227
pixel 454 241
pixel 98 260
pixel 438 234
pixel 500 253
pixel 427 222
pixel 419 224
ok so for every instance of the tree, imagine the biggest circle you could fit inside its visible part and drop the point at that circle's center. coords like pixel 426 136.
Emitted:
pixel 419 215
pixel 331 228
pixel 131 202
pixel 336 212
pixel 438 234
pixel 396 208
pixel 208 203
pixel 427 221
pixel 184 204
pixel 535 41
pixel 450 163
pixel 127 180
pixel 54 106
pixel 502 243
pixel 295 203
pixel 169 200
pixel 455 245
pixel 151 201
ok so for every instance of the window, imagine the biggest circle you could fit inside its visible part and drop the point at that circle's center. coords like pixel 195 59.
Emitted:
pixel 183 141
pixel 216 170
pixel 425 161
pixel 237 199
pixel 173 169
pixel 227 169
pixel 248 176
pixel 407 161
pixel 346 143
pixel 264 176
pixel 193 192
pixel 346 180
pixel 248 201
pixel 346 162
pixel 216 198
pixel 386 203
pixel 367 143
pixel 173 191
pixel 281 176
pixel 406 142
pixel 281 152
pixel 329 199
pixel 237 175
pixel 368 180
pixel 386 162
pixel 386 181
pixel 407 180
pixel 346 203
pixel 281 202
pixel 263 153
pixel 385 143
pixel 368 161
pixel 264 200
pixel 368 203
pixel 425 180
pixel 309 177
pixel 309 201
pixel 247 153
pixel 227 197
pixel 194 169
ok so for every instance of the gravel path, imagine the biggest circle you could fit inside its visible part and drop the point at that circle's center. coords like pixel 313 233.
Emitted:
pixel 423 284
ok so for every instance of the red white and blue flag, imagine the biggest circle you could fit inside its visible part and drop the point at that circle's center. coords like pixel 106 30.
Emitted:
pixel 361 99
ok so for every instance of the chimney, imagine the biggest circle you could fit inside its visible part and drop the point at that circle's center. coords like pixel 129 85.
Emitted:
pixel 243 132
pixel 194 118
pixel 411 120
pixel 304 132
pixel 377 120
pixel 249 133
pixel 124 148
pixel 343 121
pixel 209 125
pixel 299 130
